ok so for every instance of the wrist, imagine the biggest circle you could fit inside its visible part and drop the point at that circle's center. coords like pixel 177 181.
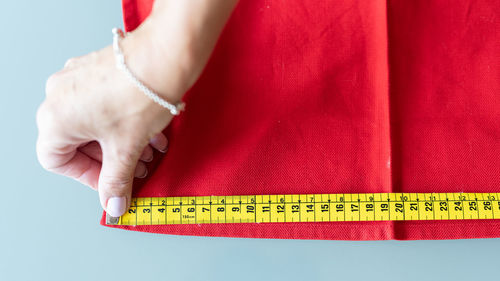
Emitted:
pixel 161 66
pixel 169 50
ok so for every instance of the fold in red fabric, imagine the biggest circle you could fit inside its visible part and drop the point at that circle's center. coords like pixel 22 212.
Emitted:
pixel 306 96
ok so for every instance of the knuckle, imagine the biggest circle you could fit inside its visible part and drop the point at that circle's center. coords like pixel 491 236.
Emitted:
pixel 93 54
pixel 115 184
pixel 42 160
pixel 45 116
pixel 69 62
pixel 45 165
pixel 128 150
pixel 52 84
pixel 41 115
pixel 40 112
pixel 125 158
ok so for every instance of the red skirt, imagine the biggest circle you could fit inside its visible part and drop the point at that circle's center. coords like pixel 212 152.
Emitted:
pixel 305 96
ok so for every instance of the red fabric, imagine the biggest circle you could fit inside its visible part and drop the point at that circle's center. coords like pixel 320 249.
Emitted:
pixel 306 96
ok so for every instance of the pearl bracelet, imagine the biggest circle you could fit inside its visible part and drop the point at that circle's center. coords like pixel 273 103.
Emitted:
pixel 120 64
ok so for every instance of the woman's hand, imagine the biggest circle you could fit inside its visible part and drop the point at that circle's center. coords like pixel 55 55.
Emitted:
pixel 95 126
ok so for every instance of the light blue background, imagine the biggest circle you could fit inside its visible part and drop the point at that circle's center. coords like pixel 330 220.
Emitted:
pixel 49 224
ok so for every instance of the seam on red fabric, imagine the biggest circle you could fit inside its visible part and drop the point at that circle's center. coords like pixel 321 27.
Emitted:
pixel 389 108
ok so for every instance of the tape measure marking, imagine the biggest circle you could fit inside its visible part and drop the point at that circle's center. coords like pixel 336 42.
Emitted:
pixel 309 208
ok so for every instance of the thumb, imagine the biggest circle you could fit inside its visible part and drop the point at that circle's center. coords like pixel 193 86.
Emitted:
pixel 115 179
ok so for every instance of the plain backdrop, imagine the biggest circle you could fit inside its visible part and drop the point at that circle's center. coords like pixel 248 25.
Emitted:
pixel 49 225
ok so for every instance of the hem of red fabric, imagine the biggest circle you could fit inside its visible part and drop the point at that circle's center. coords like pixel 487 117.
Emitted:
pixel 383 230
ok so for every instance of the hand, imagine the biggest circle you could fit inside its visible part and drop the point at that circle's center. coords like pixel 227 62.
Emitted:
pixel 96 127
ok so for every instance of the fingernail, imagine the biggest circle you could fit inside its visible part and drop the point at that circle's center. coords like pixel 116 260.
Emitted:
pixel 116 206
pixel 164 150
pixel 145 174
pixel 160 143
pixel 150 158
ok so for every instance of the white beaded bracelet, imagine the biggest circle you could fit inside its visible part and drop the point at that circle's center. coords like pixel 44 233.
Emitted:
pixel 120 63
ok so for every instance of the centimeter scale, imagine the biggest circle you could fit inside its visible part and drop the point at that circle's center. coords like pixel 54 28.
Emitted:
pixel 309 208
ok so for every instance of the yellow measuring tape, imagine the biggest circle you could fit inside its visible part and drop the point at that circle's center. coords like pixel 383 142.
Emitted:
pixel 310 208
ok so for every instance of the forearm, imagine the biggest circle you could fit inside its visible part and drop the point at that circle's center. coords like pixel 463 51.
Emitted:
pixel 170 49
